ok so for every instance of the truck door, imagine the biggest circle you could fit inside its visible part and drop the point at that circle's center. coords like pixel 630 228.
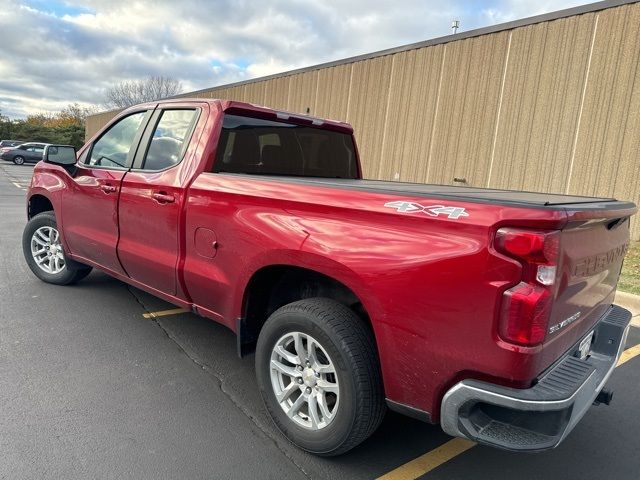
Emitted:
pixel 90 204
pixel 152 195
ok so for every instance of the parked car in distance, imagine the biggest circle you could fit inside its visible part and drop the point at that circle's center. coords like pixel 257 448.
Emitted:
pixel 26 153
pixel 10 143
pixel 488 311
pixel 6 145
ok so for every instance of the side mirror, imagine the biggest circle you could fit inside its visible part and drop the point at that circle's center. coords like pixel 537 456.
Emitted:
pixel 63 155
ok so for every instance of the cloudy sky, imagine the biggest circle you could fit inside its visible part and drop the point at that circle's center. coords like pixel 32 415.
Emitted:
pixel 56 52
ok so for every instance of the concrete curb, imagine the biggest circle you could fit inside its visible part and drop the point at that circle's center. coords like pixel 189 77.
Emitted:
pixel 632 303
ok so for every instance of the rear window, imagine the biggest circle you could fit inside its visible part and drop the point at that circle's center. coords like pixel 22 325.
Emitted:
pixel 256 146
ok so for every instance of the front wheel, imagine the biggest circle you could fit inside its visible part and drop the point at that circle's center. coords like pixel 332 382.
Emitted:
pixel 44 253
pixel 18 160
pixel 319 377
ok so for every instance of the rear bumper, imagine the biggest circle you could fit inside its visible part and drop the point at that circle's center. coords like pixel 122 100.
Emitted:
pixel 540 417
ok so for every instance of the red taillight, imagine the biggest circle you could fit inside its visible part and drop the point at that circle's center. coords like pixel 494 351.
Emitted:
pixel 526 308
pixel 528 245
pixel 525 314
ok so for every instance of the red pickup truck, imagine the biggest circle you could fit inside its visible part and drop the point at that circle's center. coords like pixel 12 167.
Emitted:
pixel 488 311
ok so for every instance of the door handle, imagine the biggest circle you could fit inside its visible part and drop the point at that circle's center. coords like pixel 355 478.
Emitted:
pixel 163 198
pixel 108 188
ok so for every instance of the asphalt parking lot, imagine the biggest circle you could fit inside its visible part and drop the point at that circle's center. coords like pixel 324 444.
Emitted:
pixel 93 385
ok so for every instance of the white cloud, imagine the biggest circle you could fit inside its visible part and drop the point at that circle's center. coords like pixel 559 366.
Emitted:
pixel 70 54
pixel 508 10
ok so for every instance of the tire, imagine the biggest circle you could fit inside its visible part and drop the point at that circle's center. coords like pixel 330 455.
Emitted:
pixel 343 344
pixel 41 235
pixel 18 160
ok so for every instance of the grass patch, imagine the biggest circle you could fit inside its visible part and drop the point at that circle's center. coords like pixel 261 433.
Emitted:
pixel 630 276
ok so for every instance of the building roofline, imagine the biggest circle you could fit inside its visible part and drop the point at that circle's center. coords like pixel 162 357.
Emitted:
pixel 523 22
pixel 545 17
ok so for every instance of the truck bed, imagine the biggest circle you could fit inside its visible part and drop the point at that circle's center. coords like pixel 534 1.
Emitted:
pixel 467 194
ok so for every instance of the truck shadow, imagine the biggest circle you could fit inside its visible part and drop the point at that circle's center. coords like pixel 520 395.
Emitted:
pixel 213 347
pixel 399 439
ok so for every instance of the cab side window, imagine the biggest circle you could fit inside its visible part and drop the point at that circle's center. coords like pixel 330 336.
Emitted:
pixel 263 147
pixel 115 147
pixel 170 139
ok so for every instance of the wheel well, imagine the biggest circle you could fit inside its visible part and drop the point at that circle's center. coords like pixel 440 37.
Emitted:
pixel 39 204
pixel 272 287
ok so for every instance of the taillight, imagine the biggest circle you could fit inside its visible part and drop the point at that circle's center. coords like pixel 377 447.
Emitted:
pixel 526 308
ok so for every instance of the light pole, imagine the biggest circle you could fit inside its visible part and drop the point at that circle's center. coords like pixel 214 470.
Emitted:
pixel 454 26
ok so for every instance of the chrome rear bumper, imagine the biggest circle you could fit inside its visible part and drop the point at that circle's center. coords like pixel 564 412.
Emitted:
pixel 540 417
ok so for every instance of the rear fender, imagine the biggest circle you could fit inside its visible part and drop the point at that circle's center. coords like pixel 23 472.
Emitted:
pixel 308 261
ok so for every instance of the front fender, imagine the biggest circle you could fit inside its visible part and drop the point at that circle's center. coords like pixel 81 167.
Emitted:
pixel 48 181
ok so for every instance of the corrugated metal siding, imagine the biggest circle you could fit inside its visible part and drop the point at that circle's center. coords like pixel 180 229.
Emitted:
pixel 332 95
pixel 367 108
pixel 96 122
pixel 467 110
pixel 255 93
pixel 607 156
pixel 277 92
pixel 410 124
pixel 303 90
pixel 549 106
pixel 542 92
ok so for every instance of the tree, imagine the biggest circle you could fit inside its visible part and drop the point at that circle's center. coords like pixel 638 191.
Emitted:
pixel 40 119
pixel 63 127
pixel 75 114
pixel 127 93
pixel 5 126
pixel 72 114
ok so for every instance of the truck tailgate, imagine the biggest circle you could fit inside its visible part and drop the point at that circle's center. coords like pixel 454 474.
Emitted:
pixel 592 248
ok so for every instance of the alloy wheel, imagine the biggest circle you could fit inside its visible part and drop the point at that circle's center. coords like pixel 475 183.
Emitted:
pixel 304 380
pixel 47 251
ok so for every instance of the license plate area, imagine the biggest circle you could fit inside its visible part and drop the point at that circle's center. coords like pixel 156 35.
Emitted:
pixel 585 347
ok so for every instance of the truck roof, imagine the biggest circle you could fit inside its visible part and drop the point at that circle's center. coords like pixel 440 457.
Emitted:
pixel 235 107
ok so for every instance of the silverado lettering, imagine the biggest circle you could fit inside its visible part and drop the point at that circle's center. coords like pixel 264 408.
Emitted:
pixel 597 263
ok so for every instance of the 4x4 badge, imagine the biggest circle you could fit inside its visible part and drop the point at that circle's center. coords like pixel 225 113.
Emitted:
pixel 431 210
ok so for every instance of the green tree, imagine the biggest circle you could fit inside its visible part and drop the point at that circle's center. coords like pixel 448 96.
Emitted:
pixel 63 127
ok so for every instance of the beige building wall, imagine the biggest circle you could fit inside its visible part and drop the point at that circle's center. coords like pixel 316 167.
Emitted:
pixel 549 104
pixel 95 122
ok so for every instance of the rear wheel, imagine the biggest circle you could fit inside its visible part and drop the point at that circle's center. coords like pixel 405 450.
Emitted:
pixel 318 374
pixel 45 255
pixel 18 160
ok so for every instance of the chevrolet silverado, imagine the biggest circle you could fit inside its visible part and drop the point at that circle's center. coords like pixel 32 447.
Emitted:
pixel 487 311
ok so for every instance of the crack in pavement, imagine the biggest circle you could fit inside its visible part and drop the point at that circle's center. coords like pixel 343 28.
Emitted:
pixel 221 384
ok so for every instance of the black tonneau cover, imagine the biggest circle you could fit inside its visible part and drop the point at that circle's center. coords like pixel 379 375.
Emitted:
pixel 467 194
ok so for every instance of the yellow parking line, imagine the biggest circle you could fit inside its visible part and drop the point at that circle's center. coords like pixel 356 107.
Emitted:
pixel 427 462
pixel 433 459
pixel 628 354
pixel 164 313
